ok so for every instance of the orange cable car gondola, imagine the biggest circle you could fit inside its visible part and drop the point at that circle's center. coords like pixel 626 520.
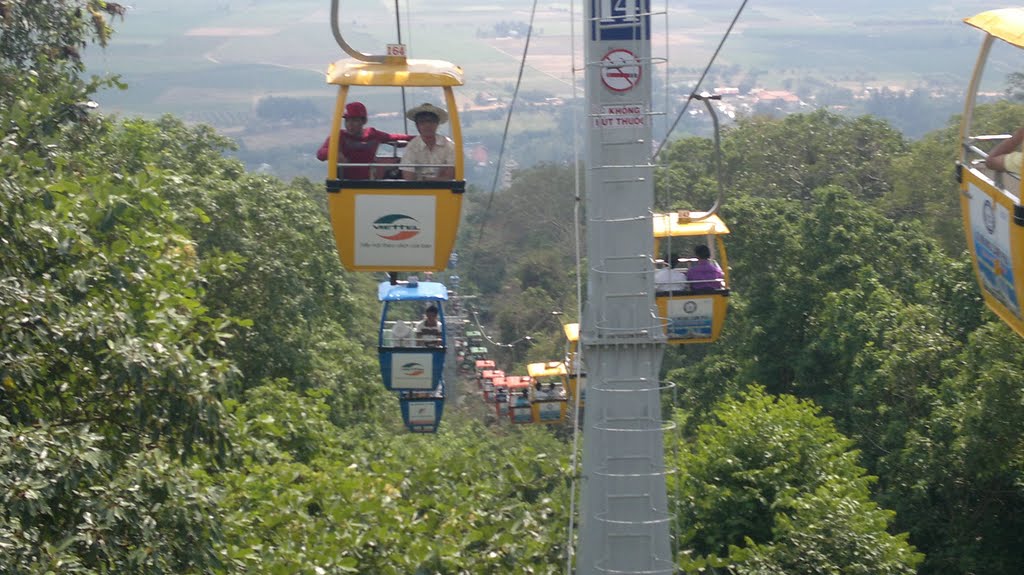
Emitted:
pixel 483 364
pixel 501 397
pixel 486 383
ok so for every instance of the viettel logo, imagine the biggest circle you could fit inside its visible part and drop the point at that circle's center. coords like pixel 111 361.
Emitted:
pixel 412 369
pixel 396 227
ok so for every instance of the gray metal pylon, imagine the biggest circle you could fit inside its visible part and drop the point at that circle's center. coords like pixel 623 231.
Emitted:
pixel 624 515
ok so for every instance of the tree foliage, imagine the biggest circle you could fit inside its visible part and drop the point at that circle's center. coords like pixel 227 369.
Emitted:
pixel 368 500
pixel 851 301
pixel 52 32
pixel 188 381
pixel 792 157
pixel 772 487
pixel 70 506
pixel 103 319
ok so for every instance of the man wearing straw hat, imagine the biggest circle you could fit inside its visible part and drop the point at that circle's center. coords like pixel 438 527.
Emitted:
pixel 438 151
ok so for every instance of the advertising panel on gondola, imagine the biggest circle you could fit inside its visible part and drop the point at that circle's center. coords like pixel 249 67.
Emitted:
pixel 689 318
pixel 397 231
pixel 990 223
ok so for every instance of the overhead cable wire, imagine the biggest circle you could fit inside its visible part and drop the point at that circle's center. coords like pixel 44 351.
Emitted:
pixel 476 321
pixel 577 199
pixel 408 19
pixel 398 27
pixel 701 79
pixel 508 121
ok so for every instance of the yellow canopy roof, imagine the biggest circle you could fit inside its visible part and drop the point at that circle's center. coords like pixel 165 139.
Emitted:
pixel 400 72
pixel 686 224
pixel 546 369
pixel 1005 23
pixel 572 331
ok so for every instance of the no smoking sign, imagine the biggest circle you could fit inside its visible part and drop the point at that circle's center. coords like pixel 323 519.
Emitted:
pixel 620 70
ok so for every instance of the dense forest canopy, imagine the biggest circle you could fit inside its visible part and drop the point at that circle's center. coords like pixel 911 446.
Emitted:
pixel 189 379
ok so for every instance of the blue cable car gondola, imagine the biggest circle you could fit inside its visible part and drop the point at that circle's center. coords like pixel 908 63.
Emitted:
pixel 408 360
pixel 422 410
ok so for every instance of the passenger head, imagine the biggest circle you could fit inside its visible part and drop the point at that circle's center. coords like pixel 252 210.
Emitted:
pixel 424 117
pixel 428 112
pixel 355 110
pixel 355 117
pixel 431 311
pixel 427 117
pixel 702 252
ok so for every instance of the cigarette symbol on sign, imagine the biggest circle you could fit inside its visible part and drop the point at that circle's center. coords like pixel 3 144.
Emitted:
pixel 620 70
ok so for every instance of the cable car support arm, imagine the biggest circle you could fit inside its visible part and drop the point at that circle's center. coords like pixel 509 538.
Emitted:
pixel 706 99
pixel 380 59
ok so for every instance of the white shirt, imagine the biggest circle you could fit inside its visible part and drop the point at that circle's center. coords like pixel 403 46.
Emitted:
pixel 428 336
pixel 417 152
pixel 666 279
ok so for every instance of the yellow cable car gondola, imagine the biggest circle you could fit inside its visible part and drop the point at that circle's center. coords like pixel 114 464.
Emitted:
pixel 577 373
pixel 394 225
pixel 548 395
pixel 991 201
pixel 693 310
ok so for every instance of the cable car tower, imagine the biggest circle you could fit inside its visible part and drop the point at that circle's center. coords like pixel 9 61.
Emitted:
pixel 624 514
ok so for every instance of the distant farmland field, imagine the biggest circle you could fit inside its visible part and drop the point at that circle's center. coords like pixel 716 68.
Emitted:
pixel 239 50
pixel 212 62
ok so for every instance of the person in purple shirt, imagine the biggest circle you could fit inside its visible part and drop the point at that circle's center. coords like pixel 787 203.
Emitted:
pixel 706 274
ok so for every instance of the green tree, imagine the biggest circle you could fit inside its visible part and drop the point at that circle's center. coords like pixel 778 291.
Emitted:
pixel 792 157
pixel 689 178
pixel 103 322
pixel 68 505
pixel 771 487
pixel 41 88
pixel 924 188
pixel 47 32
pixel 955 481
pixel 280 270
pixel 110 372
pixel 369 500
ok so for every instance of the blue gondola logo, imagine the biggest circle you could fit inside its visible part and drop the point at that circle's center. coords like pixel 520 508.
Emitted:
pixel 412 369
pixel 396 227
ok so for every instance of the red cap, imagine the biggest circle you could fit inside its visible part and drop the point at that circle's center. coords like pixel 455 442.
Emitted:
pixel 355 110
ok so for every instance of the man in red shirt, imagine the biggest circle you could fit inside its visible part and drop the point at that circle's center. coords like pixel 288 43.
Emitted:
pixel 358 143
